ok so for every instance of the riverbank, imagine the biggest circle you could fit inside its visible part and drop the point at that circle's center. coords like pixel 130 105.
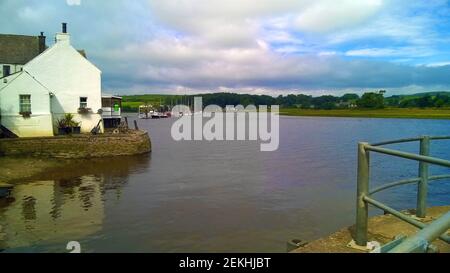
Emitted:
pixel 132 142
pixel 25 158
pixel 382 229
pixel 415 113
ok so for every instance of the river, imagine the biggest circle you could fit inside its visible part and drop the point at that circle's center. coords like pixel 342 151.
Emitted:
pixel 219 196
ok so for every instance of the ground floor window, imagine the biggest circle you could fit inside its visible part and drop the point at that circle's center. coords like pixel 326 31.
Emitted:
pixel 25 103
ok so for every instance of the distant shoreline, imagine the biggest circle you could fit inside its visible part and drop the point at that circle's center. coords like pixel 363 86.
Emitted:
pixel 405 113
pixel 401 113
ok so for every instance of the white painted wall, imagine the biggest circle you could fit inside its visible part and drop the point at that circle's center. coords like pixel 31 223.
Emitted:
pixel 14 68
pixel 62 71
pixel 69 76
pixel 40 123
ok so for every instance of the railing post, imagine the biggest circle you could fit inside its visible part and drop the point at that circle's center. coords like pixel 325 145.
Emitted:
pixel 422 191
pixel 362 208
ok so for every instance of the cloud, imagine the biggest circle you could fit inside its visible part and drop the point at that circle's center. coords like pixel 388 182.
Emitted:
pixel 266 46
pixel 327 15
pixel 390 52
pixel 73 2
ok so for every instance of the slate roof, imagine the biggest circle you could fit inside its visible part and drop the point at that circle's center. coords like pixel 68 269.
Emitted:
pixel 18 49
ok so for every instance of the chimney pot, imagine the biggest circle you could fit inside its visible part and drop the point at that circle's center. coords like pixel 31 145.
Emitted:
pixel 64 27
pixel 42 43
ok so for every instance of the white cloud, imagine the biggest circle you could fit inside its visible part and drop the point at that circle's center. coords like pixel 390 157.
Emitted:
pixel 327 53
pixel 327 15
pixel 73 2
pixel 390 52
pixel 201 17
pixel 438 64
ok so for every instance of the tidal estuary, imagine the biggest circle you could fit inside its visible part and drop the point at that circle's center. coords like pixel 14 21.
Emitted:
pixel 219 196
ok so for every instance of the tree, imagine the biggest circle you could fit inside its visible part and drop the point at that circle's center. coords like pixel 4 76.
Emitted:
pixel 426 101
pixel 325 102
pixel 349 97
pixel 371 100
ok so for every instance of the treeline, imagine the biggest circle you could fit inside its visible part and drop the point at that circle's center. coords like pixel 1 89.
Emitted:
pixel 289 101
pixel 439 100
pixel 369 100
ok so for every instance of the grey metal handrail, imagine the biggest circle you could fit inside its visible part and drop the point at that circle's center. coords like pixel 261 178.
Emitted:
pixel 420 242
pixel 364 195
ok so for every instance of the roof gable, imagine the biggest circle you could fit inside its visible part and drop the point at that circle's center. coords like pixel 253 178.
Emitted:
pixel 18 49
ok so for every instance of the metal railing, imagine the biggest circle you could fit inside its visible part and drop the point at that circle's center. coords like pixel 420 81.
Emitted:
pixel 429 233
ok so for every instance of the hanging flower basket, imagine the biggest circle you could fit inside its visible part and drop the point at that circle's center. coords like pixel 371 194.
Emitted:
pixel 25 114
pixel 84 111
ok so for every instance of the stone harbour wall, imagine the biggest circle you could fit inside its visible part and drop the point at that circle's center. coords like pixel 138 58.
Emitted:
pixel 78 146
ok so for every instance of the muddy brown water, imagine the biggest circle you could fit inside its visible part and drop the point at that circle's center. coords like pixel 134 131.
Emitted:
pixel 215 197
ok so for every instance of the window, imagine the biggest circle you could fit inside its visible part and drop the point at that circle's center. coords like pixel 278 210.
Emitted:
pixel 6 70
pixel 25 103
pixel 83 103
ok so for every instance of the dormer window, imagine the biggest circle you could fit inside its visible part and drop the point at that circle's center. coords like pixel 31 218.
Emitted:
pixel 83 103
pixel 6 70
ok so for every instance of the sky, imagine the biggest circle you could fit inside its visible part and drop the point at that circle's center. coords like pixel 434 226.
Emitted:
pixel 271 47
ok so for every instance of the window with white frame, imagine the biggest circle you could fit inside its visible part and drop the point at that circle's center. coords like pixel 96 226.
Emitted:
pixel 83 102
pixel 25 103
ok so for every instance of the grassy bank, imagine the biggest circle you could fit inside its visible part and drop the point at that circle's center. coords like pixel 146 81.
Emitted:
pixel 368 113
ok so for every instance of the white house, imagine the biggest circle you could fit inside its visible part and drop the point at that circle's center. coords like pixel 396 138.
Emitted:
pixel 39 85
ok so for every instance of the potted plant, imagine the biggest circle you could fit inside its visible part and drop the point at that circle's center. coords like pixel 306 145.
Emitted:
pixel 63 129
pixel 68 125
pixel 76 127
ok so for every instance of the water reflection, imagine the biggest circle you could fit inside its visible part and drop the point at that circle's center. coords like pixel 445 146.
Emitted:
pixel 69 206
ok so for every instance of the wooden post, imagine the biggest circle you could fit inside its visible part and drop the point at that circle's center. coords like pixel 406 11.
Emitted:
pixel 126 122
pixel 136 125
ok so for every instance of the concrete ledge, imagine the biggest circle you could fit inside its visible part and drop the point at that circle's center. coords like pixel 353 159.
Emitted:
pixel 382 229
pixel 78 146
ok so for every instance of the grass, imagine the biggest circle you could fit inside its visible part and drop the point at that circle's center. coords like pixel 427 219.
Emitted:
pixel 133 106
pixel 427 113
pixel 132 103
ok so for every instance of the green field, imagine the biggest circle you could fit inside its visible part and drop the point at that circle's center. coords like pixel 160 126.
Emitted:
pixel 132 103
pixel 371 113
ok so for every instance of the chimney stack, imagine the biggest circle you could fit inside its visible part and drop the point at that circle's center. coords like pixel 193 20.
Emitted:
pixel 63 37
pixel 42 45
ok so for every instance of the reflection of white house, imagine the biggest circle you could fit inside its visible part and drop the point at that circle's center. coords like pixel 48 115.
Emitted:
pixel 52 212
pixel 39 85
